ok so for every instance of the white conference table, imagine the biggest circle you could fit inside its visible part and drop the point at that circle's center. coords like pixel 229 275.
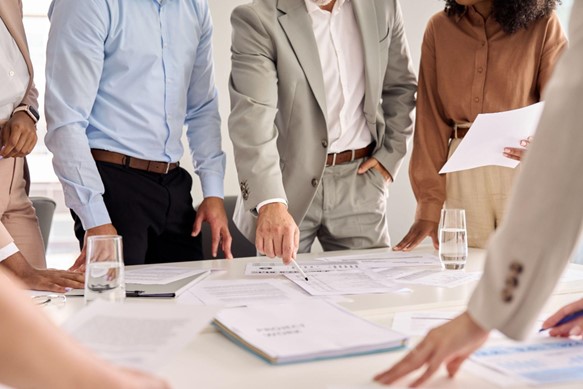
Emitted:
pixel 211 361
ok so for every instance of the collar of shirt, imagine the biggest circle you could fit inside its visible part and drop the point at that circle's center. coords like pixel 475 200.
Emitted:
pixel 313 7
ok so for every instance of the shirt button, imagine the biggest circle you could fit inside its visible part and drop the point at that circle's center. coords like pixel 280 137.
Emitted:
pixel 480 69
pixel 315 182
pixel 11 73
pixel 324 143
pixel 476 99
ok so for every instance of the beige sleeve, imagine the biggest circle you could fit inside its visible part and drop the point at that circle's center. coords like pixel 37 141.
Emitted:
pixel 545 213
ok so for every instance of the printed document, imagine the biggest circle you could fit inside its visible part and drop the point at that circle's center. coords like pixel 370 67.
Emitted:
pixel 443 278
pixel 158 275
pixel 542 361
pixel 484 143
pixel 235 293
pixel 275 268
pixel 345 282
pixel 304 331
pixel 387 259
pixel 138 335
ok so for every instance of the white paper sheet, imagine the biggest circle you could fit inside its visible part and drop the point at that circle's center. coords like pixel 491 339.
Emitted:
pixel 158 275
pixel 443 278
pixel 144 336
pixel 541 361
pixel 235 293
pixel 387 259
pixel 275 268
pixel 484 143
pixel 345 282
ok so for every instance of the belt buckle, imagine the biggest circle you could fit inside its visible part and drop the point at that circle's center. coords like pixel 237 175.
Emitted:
pixel 167 168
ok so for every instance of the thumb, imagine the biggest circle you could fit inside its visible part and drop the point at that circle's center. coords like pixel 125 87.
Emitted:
pixel 197 224
pixel 366 165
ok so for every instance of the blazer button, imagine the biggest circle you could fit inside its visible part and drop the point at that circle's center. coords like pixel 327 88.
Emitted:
pixel 516 267
pixel 315 182
pixel 324 143
pixel 511 282
pixel 507 295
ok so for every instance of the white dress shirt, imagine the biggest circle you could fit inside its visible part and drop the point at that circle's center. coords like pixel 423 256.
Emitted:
pixel 14 75
pixel 342 58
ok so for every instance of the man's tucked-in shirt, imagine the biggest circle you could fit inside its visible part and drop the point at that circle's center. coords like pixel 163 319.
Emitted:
pixel 342 59
pixel 14 75
pixel 126 76
pixel 469 65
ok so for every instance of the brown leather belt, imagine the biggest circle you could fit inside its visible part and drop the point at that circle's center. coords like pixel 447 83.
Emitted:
pixel 460 133
pixel 460 130
pixel 132 162
pixel 349 155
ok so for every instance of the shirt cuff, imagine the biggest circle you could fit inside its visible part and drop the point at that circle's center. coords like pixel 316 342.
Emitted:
pixel 270 201
pixel 93 214
pixel 8 251
pixel 212 185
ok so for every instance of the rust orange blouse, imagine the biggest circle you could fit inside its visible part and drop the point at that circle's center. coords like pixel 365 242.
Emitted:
pixel 469 65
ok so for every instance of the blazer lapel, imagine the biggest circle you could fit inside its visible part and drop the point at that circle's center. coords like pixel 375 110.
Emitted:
pixel 12 17
pixel 297 24
pixel 365 14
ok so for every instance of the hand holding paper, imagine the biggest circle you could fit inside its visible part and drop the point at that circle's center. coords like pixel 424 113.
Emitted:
pixel 490 134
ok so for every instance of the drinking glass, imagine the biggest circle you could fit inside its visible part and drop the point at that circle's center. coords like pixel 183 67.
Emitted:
pixel 453 242
pixel 104 273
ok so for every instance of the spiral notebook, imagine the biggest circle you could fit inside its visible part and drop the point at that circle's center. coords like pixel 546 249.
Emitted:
pixel 304 331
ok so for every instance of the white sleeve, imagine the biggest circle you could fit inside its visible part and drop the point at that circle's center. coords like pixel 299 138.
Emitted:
pixel 8 251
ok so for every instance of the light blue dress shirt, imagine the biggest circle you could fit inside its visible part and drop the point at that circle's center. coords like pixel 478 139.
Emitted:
pixel 126 76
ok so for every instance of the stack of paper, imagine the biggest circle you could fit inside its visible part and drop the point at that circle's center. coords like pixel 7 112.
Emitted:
pixel 304 331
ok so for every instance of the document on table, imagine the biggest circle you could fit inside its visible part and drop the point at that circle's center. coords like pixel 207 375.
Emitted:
pixel 387 259
pixel 235 293
pixel 158 275
pixel 138 335
pixel 440 278
pixel 275 268
pixel 304 331
pixel 542 361
pixel 419 323
pixel 490 133
pixel 344 283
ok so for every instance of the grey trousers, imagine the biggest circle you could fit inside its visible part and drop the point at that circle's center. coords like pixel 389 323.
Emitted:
pixel 348 210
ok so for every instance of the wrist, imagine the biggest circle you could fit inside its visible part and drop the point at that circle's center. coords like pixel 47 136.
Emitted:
pixel 29 111
pixel 277 206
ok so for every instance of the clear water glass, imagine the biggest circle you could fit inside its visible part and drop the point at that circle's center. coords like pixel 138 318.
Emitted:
pixel 104 273
pixel 453 241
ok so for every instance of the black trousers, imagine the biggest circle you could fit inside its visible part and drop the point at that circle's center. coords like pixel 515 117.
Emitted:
pixel 152 212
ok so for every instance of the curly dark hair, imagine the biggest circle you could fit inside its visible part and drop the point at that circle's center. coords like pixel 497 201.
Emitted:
pixel 511 14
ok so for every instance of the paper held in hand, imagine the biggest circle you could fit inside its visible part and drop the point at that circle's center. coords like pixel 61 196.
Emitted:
pixel 304 331
pixel 490 133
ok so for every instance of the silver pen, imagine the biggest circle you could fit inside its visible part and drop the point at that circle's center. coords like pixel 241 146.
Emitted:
pixel 299 269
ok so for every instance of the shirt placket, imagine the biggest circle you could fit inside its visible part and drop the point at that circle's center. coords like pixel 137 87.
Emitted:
pixel 480 65
pixel 335 33
pixel 168 71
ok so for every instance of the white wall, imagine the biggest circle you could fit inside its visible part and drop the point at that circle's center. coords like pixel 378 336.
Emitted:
pixel 401 200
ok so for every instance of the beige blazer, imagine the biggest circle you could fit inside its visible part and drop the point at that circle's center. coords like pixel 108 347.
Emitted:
pixel 278 118
pixel 529 252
